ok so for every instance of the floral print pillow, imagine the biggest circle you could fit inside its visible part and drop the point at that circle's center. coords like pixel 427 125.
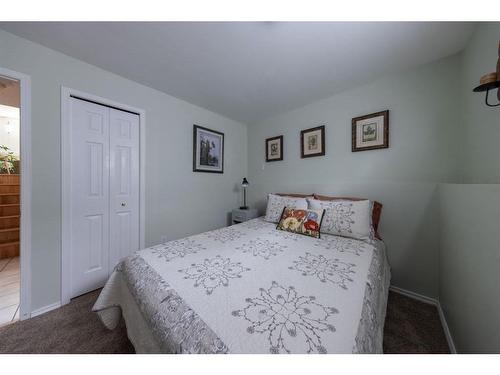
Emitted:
pixel 276 204
pixel 306 222
pixel 345 218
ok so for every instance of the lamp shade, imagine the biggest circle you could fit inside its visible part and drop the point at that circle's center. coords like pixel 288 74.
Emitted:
pixel 244 183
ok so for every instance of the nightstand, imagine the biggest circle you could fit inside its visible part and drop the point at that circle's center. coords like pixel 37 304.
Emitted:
pixel 239 216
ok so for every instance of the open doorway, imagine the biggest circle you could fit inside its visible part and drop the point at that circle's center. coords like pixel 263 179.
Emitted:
pixel 10 199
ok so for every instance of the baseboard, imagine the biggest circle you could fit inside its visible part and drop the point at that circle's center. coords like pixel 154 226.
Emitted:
pixel 446 329
pixel 418 297
pixel 434 302
pixel 45 309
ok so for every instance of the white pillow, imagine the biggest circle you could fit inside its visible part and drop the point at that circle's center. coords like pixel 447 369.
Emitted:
pixel 276 204
pixel 345 218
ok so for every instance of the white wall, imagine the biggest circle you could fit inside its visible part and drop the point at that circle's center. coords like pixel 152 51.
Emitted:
pixel 469 275
pixel 442 237
pixel 481 156
pixel 469 267
pixel 424 145
pixel 178 201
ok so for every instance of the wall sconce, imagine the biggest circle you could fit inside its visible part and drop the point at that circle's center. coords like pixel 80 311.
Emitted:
pixel 490 81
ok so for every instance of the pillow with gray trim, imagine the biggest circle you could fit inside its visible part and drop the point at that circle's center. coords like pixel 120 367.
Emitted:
pixel 345 218
pixel 276 204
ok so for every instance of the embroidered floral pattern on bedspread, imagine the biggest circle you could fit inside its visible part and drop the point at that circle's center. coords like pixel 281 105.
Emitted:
pixel 262 248
pixel 177 249
pixel 224 235
pixel 288 319
pixel 282 235
pixel 342 245
pixel 326 270
pixel 214 272
pixel 176 327
pixel 191 292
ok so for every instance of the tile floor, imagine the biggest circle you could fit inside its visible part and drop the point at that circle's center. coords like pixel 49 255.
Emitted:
pixel 9 290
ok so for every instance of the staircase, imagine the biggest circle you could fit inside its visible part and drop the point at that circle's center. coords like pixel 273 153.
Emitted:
pixel 10 213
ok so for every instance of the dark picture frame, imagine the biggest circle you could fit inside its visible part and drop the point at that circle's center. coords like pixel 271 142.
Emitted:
pixel 311 136
pixel 208 150
pixel 270 142
pixel 370 131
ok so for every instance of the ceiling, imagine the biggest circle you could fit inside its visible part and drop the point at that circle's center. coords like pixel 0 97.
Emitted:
pixel 249 71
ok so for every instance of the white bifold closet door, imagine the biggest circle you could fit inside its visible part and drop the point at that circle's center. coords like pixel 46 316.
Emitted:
pixel 104 192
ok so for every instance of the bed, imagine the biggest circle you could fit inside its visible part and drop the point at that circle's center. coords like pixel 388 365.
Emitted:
pixel 250 288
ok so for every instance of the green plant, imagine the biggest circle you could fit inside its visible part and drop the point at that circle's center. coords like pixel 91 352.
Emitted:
pixel 7 159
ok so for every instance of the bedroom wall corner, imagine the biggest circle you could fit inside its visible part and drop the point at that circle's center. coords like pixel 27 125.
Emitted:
pixel 469 265
pixel 469 256
pixel 424 148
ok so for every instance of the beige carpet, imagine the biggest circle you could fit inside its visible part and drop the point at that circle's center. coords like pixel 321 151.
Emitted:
pixel 411 327
pixel 73 328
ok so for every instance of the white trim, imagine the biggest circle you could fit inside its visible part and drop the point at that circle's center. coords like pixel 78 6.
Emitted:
pixel 45 309
pixel 25 158
pixel 142 179
pixel 434 302
pixel 418 297
pixel 66 179
pixel 446 329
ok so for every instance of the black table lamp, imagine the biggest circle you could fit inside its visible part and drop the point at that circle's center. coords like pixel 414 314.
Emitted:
pixel 244 185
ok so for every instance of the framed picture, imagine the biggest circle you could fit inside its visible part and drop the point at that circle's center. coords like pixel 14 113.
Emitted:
pixel 312 142
pixel 370 132
pixel 274 148
pixel 208 150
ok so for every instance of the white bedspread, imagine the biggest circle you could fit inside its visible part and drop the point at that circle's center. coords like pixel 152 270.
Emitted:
pixel 250 288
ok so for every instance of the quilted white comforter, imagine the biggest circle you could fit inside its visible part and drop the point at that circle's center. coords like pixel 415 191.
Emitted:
pixel 250 288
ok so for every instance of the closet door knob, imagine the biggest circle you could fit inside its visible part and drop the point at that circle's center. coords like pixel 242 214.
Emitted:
pixel 124 204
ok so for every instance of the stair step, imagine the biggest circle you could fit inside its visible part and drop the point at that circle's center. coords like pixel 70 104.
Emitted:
pixel 9 250
pixel 15 189
pixel 9 209
pixel 11 221
pixel 9 215
pixel 8 229
pixel 9 179
pixel 9 198
pixel 9 236
pixel 9 244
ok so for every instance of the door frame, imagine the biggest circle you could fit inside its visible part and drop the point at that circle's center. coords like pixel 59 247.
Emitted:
pixel 25 156
pixel 66 254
